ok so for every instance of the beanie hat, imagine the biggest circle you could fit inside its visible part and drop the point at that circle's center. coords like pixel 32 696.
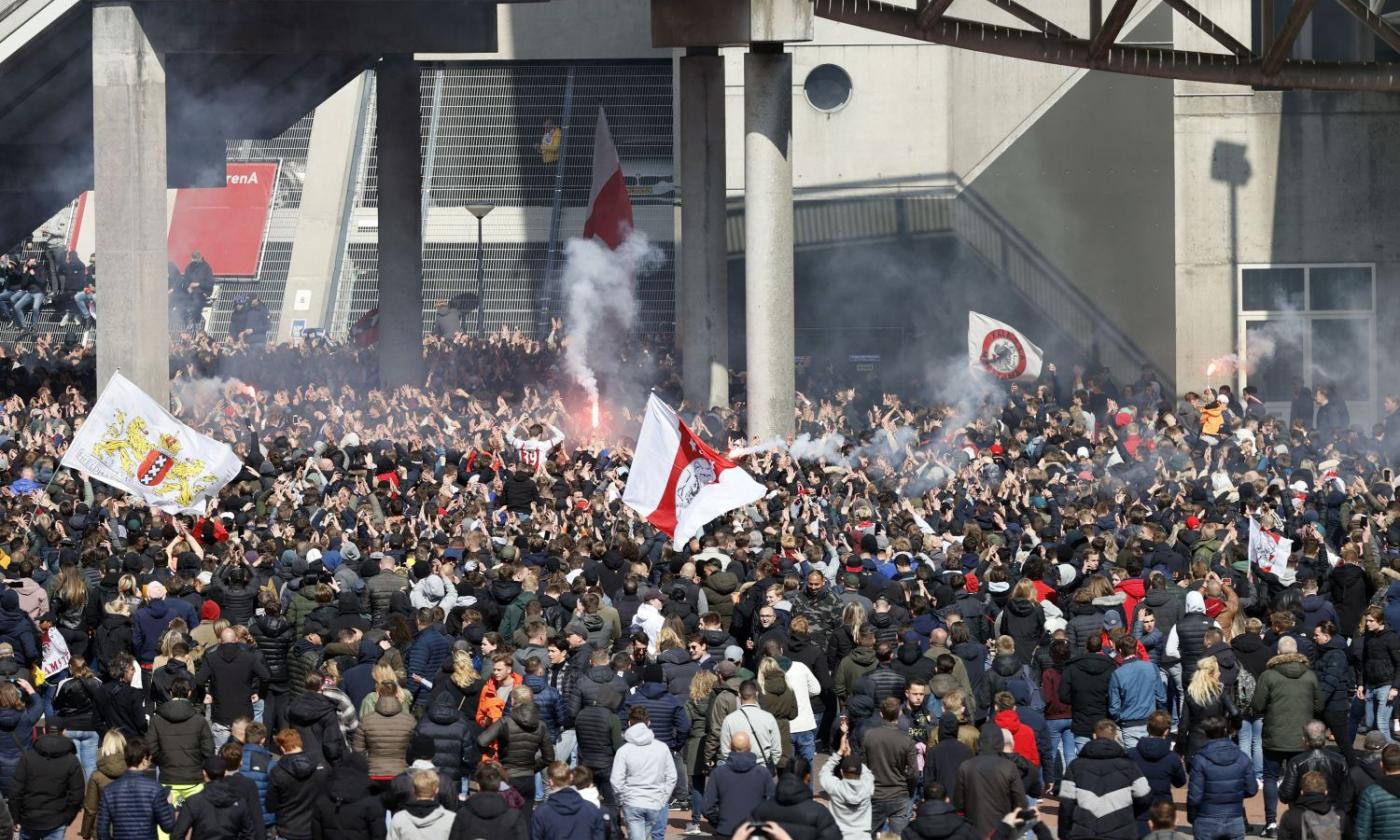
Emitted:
pixel 653 673
pixel 420 746
pixel 209 612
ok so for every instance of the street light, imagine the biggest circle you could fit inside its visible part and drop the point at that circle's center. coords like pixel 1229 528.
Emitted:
pixel 480 211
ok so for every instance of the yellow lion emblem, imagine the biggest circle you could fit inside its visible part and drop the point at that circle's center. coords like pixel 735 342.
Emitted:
pixel 153 464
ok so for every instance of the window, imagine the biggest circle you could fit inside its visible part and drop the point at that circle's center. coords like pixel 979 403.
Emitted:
pixel 828 87
pixel 1304 326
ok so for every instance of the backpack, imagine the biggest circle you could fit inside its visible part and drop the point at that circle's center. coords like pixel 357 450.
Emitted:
pixel 1036 701
pixel 1244 690
pixel 1326 826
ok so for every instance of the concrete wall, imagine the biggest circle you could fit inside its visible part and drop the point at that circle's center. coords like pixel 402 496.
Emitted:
pixel 570 29
pixel 1098 203
pixel 1315 179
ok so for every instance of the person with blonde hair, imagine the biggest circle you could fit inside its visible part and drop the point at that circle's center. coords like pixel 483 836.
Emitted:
pixel 111 763
pixel 1205 697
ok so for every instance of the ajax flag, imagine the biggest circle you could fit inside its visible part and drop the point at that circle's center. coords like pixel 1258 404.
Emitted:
pixel 1267 550
pixel 1000 350
pixel 677 482
pixel 129 441
pixel 609 206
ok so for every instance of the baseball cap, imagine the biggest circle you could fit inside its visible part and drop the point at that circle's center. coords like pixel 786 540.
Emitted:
pixel 1111 621
pixel 726 669
pixel 734 653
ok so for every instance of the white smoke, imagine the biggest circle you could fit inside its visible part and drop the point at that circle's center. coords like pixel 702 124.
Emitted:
pixel 826 448
pixel 196 399
pixel 601 299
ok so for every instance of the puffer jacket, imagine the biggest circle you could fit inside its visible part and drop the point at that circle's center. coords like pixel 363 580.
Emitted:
pixel 293 787
pixel 1166 606
pixel 1335 677
pixel 937 820
pixel 1222 778
pixel 1084 686
pixel 524 743
pixel 599 735
pixel 679 669
pixel 1162 767
pixel 381 590
pixel 451 738
pixel 16 728
pixel 273 636
pixel 217 813
pixel 549 703
pixel 238 603
pixel 1380 657
pixel 487 814
pixel 302 604
pixel 430 649
pixel 132 806
pixel 669 723
pixel 347 810
pixel 384 735
pixel 257 768
pixel 592 681
pixel 1378 814
pixel 109 768
pixel 180 742
pixel 1102 773
pixel 1085 620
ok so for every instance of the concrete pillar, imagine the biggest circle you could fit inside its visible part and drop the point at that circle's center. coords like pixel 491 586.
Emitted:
pixel 325 203
pixel 129 179
pixel 399 132
pixel 704 309
pixel 768 304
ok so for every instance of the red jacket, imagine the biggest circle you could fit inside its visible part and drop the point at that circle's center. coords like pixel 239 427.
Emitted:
pixel 1023 737
pixel 1132 589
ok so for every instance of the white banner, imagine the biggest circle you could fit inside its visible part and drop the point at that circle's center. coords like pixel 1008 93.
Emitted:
pixel 1267 550
pixel 130 442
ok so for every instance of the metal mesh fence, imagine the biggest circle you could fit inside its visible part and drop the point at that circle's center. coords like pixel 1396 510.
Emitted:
pixel 491 118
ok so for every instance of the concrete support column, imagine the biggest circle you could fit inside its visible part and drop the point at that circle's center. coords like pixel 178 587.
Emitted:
pixel 399 132
pixel 129 179
pixel 768 287
pixel 704 252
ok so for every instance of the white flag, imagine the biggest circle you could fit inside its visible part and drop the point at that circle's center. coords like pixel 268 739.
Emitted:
pixel 1000 350
pixel 677 482
pixel 130 442
pixel 1266 549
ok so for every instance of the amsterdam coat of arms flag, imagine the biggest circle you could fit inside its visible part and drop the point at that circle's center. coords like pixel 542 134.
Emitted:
pixel 130 442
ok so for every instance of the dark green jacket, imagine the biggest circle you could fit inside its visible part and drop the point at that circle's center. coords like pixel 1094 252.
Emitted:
pixel 1287 697
pixel 180 742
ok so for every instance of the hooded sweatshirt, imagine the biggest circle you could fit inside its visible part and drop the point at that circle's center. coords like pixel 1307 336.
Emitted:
pixel 422 821
pixel 850 799
pixel 644 771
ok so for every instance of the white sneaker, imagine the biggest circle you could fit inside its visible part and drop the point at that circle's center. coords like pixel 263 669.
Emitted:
pixel 693 830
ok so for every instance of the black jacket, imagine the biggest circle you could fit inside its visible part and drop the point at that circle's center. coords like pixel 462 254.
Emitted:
pixel 937 820
pixel 216 813
pixel 123 708
pixel 274 636
pixel 1084 686
pixel 1311 807
pixel 232 674
pixel 315 717
pixel 599 737
pixel 47 791
pixel 1334 675
pixel 1101 772
pixel 1162 767
pixel 793 808
pixel 486 814
pixel 76 703
pixel 525 745
pixel 346 810
pixel 943 759
pixel 162 677
pixel 180 742
pixel 1325 761
pixel 452 739
pixel 293 787
pixel 238 603
pixel 1379 655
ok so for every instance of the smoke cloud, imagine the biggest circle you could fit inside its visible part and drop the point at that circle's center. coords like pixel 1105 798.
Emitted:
pixel 601 303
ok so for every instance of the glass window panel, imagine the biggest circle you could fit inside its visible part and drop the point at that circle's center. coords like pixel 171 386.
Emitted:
pixel 1340 288
pixel 1272 288
pixel 1341 356
pixel 1274 357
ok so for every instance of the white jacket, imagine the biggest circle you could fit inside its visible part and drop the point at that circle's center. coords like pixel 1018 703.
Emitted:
pixel 644 771
pixel 804 686
pixel 651 621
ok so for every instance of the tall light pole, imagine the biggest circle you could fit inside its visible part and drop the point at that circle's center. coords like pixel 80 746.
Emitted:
pixel 480 211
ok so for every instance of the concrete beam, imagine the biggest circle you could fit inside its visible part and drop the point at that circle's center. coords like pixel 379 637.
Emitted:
pixel 729 23
pixel 128 81
pixel 325 201
pixel 400 131
pixel 309 27
pixel 768 260
pixel 703 317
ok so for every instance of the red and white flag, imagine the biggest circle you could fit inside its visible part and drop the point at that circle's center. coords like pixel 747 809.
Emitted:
pixel 1000 349
pixel 609 207
pixel 677 482
pixel 1267 549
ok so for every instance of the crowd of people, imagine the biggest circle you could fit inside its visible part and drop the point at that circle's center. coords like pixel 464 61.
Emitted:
pixel 427 613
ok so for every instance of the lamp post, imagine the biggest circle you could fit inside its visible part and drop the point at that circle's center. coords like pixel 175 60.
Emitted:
pixel 480 211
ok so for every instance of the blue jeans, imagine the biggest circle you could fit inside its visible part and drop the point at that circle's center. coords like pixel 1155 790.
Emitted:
pixel 51 834
pixel 1218 828
pixel 1378 710
pixel 894 810
pixel 1061 741
pixel 31 301
pixel 804 745
pixel 1252 742
pixel 86 304
pixel 87 743
pixel 1133 734
pixel 645 822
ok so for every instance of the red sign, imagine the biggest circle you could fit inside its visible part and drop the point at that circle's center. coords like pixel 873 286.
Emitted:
pixel 225 224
